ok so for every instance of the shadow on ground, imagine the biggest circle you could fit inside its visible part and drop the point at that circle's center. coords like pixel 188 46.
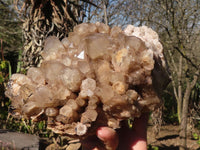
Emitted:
pixel 168 148
pixel 168 137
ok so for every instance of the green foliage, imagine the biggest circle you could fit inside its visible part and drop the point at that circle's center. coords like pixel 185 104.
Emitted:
pixel 19 63
pixel 10 27
pixel 197 125
pixel 5 71
pixel 3 65
pixel 170 115
pixel 1 78
pixel 195 94
pixel 150 147
pixel 196 137
pixel 26 126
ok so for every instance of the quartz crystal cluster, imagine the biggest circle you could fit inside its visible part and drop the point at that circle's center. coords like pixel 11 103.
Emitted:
pixel 96 76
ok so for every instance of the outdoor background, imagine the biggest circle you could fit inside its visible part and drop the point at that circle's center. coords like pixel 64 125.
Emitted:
pixel 25 24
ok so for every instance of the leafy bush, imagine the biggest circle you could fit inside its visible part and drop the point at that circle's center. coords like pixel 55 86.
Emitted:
pixel 5 73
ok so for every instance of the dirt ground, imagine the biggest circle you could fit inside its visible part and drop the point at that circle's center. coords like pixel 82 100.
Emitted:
pixel 168 139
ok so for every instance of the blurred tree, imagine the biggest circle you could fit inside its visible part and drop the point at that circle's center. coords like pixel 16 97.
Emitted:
pixel 111 12
pixel 10 32
pixel 42 18
pixel 178 24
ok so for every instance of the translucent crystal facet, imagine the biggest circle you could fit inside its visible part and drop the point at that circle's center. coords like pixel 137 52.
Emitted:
pixel 97 76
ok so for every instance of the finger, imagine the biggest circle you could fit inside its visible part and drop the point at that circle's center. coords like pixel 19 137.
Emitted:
pixel 109 137
pixel 140 130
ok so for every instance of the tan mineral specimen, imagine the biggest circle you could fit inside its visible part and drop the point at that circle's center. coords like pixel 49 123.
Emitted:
pixel 71 78
pixel 97 76
pixel 51 112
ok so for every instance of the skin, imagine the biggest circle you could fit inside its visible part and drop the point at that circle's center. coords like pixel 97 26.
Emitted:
pixel 123 138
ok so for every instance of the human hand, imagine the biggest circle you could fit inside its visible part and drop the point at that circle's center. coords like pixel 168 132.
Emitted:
pixel 121 139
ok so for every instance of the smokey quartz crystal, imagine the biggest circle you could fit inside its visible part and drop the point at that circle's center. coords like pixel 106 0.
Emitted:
pixel 96 76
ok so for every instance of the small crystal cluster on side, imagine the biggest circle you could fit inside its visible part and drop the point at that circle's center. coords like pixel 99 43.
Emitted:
pixel 96 76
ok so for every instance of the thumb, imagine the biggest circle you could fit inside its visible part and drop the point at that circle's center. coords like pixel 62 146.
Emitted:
pixel 109 137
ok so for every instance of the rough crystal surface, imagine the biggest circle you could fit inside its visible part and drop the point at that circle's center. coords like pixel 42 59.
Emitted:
pixel 71 78
pixel 96 76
